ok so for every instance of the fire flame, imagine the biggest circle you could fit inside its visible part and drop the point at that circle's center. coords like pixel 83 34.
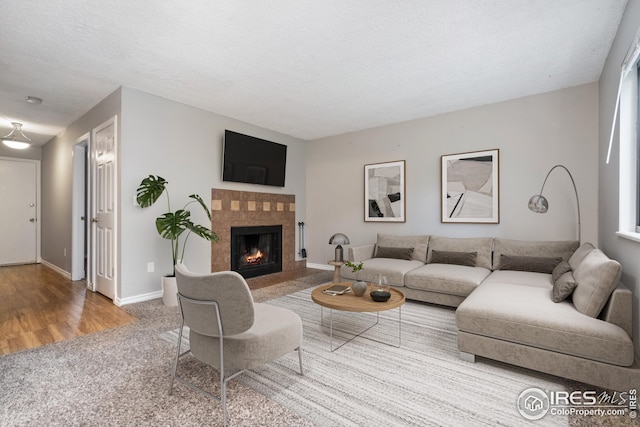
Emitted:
pixel 254 258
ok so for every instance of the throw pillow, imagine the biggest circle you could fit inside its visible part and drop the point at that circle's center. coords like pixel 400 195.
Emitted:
pixel 529 263
pixel 459 258
pixel 560 269
pixel 597 276
pixel 563 287
pixel 396 253
pixel 580 254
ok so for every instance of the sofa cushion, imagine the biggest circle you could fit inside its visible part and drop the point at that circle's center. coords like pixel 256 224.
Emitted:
pixel 418 243
pixel 395 269
pixel 526 315
pixel 481 245
pixel 562 249
pixel 536 264
pixel 446 278
pixel 458 258
pixel 580 254
pixel 560 269
pixel 396 253
pixel 597 276
pixel 520 278
pixel 563 287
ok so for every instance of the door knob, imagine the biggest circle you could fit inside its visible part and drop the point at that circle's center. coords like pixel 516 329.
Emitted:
pixel 32 220
pixel 94 219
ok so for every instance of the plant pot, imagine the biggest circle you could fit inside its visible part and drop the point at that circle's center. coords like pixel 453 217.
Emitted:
pixel 358 288
pixel 169 291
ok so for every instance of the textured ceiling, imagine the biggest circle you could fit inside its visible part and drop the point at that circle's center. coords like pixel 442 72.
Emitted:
pixel 305 68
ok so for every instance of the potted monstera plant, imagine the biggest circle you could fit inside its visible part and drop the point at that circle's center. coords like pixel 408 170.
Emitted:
pixel 175 226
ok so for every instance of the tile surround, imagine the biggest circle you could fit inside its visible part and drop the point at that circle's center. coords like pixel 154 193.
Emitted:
pixel 230 208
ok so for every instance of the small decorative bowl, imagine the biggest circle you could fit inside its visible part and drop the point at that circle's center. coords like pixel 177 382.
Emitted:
pixel 380 296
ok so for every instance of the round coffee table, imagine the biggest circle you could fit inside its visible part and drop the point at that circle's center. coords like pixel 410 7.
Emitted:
pixel 350 302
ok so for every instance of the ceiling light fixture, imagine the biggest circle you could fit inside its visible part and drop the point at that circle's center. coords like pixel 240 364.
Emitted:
pixel 16 138
pixel 33 100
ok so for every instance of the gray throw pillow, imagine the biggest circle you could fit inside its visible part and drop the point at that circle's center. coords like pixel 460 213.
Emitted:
pixel 563 287
pixel 529 263
pixel 560 269
pixel 396 253
pixel 459 258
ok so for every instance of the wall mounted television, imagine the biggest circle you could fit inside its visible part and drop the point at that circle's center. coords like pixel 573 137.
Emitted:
pixel 253 160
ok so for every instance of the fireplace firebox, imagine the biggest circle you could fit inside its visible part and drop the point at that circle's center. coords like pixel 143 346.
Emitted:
pixel 256 251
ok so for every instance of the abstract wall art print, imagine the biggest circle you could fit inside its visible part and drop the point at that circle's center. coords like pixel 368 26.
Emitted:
pixel 384 192
pixel 471 187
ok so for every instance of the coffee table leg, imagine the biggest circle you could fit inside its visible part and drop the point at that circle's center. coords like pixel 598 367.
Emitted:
pixel 399 326
pixel 354 336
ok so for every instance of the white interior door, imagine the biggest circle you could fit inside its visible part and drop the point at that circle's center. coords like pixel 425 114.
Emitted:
pixel 19 211
pixel 104 218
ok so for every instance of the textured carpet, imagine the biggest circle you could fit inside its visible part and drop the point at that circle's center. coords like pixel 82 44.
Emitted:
pixel 120 377
pixel 369 383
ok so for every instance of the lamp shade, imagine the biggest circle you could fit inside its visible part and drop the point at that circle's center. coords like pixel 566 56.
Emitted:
pixel 538 204
pixel 339 239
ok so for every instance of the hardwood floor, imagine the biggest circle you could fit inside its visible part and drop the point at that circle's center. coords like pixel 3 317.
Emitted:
pixel 40 306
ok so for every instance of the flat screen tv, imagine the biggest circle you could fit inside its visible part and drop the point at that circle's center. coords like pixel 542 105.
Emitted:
pixel 253 160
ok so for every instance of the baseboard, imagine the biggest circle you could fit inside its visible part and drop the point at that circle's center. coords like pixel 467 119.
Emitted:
pixel 56 269
pixel 138 298
pixel 320 266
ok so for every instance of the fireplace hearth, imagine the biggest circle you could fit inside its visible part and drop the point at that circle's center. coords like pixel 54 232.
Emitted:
pixel 256 250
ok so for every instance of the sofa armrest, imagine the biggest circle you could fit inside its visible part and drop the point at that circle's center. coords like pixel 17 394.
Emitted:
pixel 619 309
pixel 361 253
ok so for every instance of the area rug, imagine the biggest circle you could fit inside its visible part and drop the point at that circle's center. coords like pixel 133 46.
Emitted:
pixel 368 383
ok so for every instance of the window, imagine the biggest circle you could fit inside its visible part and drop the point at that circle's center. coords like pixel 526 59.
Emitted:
pixel 637 150
pixel 628 104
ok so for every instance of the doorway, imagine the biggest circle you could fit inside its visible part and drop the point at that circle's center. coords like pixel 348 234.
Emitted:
pixel 79 231
pixel 19 211
pixel 94 230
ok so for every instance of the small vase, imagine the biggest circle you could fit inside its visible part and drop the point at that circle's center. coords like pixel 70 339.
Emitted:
pixel 359 288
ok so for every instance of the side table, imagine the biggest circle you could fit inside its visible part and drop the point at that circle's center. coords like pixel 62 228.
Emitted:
pixel 336 272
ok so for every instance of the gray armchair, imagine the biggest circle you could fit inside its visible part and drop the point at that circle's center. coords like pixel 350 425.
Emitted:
pixel 228 330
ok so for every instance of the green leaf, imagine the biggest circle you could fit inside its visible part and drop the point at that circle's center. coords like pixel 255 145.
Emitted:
pixel 199 199
pixel 172 224
pixel 150 190
pixel 203 232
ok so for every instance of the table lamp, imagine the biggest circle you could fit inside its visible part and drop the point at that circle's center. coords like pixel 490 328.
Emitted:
pixel 339 239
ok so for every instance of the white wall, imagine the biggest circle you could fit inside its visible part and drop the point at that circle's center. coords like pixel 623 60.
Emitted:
pixel 183 144
pixel 625 251
pixel 533 134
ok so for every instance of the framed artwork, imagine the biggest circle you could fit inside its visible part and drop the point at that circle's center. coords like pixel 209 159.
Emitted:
pixel 384 192
pixel 471 187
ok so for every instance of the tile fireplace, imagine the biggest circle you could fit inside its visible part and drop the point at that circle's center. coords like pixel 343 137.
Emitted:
pixel 244 209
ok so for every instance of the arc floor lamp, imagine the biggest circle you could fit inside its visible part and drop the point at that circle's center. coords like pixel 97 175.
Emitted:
pixel 539 204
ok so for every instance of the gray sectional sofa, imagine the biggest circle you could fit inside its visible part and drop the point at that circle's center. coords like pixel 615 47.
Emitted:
pixel 505 292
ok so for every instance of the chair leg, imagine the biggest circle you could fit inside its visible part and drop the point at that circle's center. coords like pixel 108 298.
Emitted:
pixel 175 361
pixel 223 398
pixel 300 360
